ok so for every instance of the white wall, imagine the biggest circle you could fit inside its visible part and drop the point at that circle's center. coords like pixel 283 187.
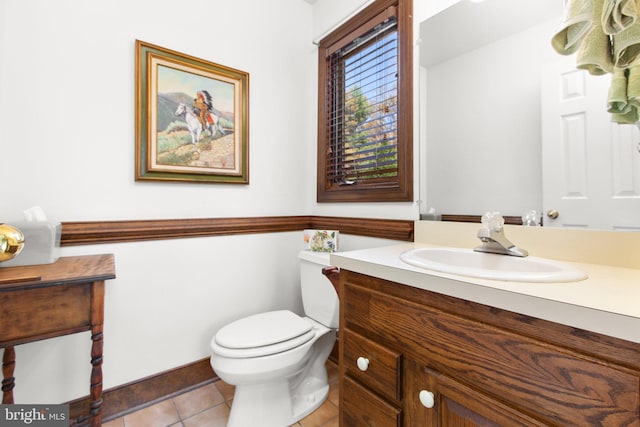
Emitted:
pixel 67 106
pixel 330 14
pixel 67 144
pixel 423 9
pixel 167 301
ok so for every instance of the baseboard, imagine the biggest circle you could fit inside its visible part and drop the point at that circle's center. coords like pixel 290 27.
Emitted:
pixel 126 398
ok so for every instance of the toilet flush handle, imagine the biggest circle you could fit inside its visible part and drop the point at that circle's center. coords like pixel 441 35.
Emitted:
pixel 363 363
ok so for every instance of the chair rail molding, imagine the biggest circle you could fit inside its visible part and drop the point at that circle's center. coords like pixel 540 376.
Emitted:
pixel 120 231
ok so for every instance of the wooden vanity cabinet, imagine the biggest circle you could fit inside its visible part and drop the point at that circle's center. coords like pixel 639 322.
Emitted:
pixel 473 365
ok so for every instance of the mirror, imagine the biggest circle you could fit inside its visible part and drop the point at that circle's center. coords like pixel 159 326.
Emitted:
pixel 482 74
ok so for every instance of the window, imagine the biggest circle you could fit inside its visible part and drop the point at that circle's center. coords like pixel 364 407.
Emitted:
pixel 365 114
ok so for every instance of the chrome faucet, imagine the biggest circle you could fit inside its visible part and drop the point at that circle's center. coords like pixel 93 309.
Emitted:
pixel 493 239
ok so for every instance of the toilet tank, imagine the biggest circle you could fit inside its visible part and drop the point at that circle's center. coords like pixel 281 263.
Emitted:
pixel 319 297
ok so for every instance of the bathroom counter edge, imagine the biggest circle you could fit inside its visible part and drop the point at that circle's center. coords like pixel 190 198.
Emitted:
pixel 603 303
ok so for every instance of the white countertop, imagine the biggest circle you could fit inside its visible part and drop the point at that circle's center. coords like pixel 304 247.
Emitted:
pixel 607 302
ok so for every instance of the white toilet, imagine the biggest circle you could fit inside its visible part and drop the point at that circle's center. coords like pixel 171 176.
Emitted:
pixel 277 359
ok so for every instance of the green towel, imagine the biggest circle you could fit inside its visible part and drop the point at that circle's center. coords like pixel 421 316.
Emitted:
pixel 594 53
pixel 630 117
pixel 633 84
pixel 618 15
pixel 626 46
pixel 578 20
pixel 618 102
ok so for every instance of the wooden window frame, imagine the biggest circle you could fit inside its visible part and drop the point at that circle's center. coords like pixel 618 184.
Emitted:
pixel 400 188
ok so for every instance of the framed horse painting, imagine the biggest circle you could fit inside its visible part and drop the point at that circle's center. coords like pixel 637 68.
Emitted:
pixel 192 118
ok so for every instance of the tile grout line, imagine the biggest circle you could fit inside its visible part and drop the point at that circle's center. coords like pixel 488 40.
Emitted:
pixel 175 406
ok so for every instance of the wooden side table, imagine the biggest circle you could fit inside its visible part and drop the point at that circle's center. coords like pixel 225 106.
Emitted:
pixel 50 300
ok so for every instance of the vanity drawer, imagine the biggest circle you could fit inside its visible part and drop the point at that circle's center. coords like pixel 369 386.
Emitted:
pixel 360 407
pixel 372 364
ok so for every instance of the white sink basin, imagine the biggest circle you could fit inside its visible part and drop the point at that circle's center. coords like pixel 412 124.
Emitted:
pixel 466 262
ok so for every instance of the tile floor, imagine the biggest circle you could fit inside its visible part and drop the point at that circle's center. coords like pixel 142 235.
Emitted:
pixel 209 405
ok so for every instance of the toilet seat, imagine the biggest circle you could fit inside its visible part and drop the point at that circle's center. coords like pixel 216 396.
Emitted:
pixel 262 334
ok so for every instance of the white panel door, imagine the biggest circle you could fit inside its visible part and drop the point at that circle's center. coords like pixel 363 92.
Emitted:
pixel 590 165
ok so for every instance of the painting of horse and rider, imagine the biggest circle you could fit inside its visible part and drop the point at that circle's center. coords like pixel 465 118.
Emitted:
pixel 199 130
pixel 197 125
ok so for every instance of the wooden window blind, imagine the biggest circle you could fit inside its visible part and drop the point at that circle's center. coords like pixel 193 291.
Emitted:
pixel 363 95
pixel 365 107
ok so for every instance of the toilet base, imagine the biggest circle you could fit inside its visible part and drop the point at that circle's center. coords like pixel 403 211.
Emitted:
pixel 263 404
pixel 303 406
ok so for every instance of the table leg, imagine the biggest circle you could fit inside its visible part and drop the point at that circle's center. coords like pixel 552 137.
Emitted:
pixel 8 381
pixel 97 322
pixel 95 407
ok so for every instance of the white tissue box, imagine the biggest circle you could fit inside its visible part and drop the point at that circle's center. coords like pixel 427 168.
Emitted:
pixel 41 243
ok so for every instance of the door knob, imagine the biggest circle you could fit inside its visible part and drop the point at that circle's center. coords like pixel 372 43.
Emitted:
pixel 553 214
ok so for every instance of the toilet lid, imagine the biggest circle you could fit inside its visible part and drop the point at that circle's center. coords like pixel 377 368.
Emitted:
pixel 263 329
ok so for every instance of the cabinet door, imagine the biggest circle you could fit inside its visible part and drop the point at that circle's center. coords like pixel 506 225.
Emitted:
pixel 362 408
pixel 454 404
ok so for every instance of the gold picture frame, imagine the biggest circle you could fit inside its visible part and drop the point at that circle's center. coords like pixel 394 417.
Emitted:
pixel 192 118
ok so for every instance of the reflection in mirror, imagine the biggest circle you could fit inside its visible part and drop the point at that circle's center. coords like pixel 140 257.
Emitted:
pixel 506 123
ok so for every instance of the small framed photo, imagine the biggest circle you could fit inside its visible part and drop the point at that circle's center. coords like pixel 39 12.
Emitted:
pixel 192 118
pixel 321 240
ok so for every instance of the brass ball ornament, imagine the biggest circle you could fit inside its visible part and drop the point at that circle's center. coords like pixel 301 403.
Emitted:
pixel 11 242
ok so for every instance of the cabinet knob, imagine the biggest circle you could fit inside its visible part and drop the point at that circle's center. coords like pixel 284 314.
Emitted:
pixel 363 363
pixel 426 398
